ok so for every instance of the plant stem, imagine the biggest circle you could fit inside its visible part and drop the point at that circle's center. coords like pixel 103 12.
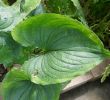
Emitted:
pixel 80 11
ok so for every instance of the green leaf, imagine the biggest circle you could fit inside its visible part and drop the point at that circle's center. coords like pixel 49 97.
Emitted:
pixel 10 51
pixel 65 7
pixel 12 15
pixel 106 73
pixel 66 48
pixel 80 11
pixel 39 10
pixel 6 17
pixel 5 50
pixel 101 1
pixel 17 86
pixel 29 5
pixel 5 2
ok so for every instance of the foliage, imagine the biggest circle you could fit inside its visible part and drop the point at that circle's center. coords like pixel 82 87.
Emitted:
pixel 18 86
pixel 57 57
pixel 54 38
pixel 8 48
pixel 97 14
pixel 81 15
pixel 10 16
pixel 106 73
pixel 58 6
pixel 73 8
pixel 51 49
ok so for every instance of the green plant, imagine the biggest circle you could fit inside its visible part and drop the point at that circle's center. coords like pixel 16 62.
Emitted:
pixel 106 73
pixel 56 56
pixel 50 49
pixel 97 20
pixel 73 8
pixel 10 16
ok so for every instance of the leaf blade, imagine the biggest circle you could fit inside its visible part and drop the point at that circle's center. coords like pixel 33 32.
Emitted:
pixel 65 46
pixel 17 86
pixel 12 15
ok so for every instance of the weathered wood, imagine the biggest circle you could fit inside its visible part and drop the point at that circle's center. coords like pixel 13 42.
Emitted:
pixel 78 81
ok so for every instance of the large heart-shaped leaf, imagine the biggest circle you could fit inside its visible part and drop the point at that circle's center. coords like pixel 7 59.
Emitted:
pixel 17 86
pixel 66 48
pixel 12 15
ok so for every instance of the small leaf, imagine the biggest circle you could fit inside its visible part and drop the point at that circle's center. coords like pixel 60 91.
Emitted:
pixel 10 16
pixel 29 5
pixel 66 48
pixel 10 51
pixel 5 51
pixel 17 86
pixel 80 11
pixel 106 73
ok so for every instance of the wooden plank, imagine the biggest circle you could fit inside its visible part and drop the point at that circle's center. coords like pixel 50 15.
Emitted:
pixel 78 81
pixel 98 70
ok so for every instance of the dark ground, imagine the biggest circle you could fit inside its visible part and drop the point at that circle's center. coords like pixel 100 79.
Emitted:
pixel 3 71
pixel 90 91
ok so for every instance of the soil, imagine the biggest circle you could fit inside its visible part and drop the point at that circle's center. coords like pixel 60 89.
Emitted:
pixel 3 71
pixel 11 1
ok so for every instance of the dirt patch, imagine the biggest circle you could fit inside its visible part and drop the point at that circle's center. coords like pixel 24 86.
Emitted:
pixel 3 71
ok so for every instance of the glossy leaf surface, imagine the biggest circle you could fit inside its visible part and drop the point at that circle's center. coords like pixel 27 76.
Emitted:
pixel 17 86
pixel 12 15
pixel 7 47
pixel 10 51
pixel 66 48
